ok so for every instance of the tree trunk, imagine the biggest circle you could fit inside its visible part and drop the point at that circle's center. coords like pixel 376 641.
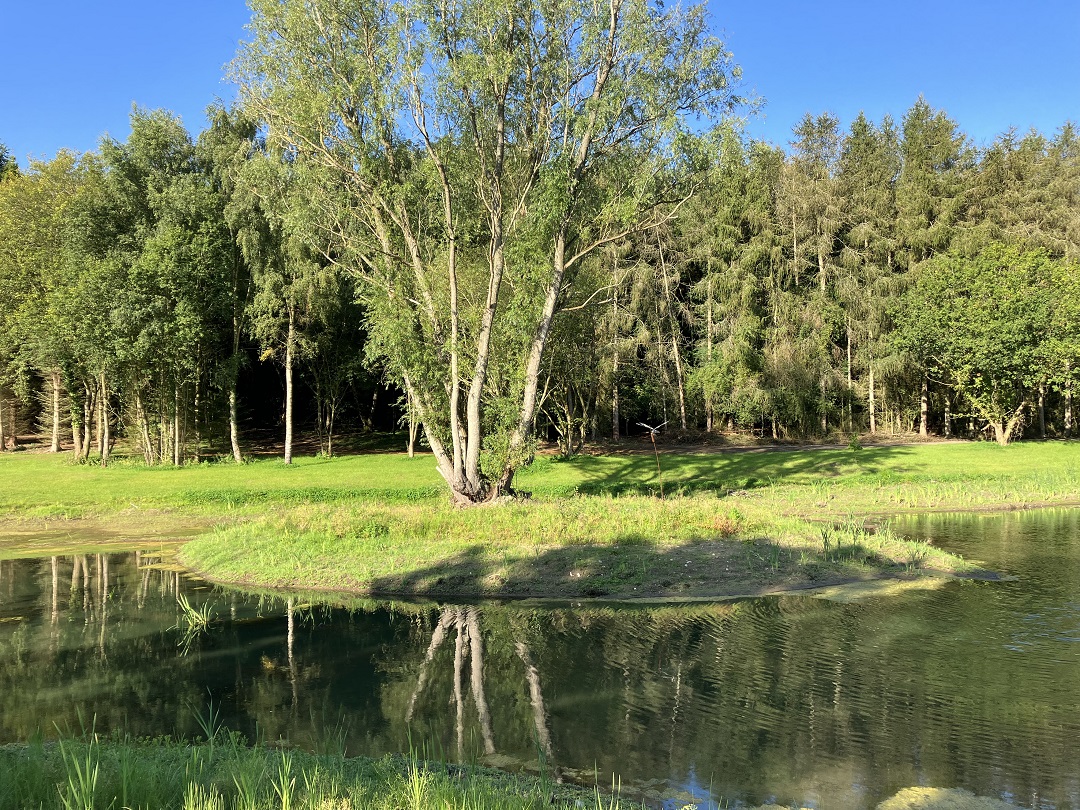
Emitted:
pixel 176 454
pixel 144 431
pixel 195 413
pixel 289 384
pixel 412 434
pixel 873 404
pixel 1042 410
pixel 1003 431
pixel 615 400
pixel 824 410
pixel 106 446
pixel 850 388
pixel 673 324
pixel 709 346
pixel 87 421
pixel 3 438
pixel 1068 402
pixel 54 379
pixel 679 382
pixel 234 431
pixel 76 431
pixel 948 418
pixel 331 413
pixel 924 405
pixel 101 417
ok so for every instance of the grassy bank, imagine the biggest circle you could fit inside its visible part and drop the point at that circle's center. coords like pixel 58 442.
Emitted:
pixel 84 773
pixel 731 523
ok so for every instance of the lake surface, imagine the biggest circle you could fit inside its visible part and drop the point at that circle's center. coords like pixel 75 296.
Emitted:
pixel 793 698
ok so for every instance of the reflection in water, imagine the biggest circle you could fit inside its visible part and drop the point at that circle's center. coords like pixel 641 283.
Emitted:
pixel 975 685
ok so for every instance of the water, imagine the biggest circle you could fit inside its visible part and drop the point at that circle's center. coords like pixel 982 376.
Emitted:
pixel 793 699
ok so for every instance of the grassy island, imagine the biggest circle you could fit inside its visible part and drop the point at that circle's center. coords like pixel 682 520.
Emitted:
pixel 731 522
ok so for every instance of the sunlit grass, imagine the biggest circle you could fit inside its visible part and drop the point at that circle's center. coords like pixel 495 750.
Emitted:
pixel 86 772
pixel 732 522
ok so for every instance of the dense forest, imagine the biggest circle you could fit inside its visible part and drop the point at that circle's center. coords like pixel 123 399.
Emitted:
pixel 504 256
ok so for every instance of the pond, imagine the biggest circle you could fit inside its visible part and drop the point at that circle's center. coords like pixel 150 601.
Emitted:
pixel 793 698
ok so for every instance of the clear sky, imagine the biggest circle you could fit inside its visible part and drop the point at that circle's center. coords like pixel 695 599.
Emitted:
pixel 71 70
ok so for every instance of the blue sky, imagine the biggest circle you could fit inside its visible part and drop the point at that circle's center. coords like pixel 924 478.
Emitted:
pixel 71 70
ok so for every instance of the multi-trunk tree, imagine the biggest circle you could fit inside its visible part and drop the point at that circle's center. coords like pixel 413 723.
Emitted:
pixel 467 159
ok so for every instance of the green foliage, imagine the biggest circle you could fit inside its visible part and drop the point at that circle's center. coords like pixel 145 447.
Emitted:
pixel 984 323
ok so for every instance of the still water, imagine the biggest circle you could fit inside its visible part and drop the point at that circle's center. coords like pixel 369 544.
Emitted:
pixel 793 699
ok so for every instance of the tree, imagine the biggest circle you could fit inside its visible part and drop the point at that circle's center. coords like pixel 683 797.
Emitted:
pixel 223 151
pixel 34 212
pixel 470 158
pixel 983 321
pixel 936 160
pixel 867 171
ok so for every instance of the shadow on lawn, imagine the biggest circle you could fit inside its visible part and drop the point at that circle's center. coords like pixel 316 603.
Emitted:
pixel 729 470
pixel 634 566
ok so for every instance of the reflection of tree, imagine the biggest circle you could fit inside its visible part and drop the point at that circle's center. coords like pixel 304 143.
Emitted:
pixel 469 645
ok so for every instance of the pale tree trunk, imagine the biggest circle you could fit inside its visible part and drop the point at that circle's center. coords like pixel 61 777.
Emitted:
pixel 1003 430
pixel 195 413
pixel 873 404
pixel 331 415
pixel 176 454
pixel 924 406
pixel 239 305
pixel 850 386
pixel 679 381
pixel 709 345
pixel 289 384
pixel 615 369
pixel 105 431
pixel 3 437
pixel 100 412
pixel 948 418
pixel 234 431
pixel 413 426
pixel 675 353
pixel 474 488
pixel 1068 402
pixel 1042 410
pixel 88 421
pixel 54 379
pixel 144 431
pixel 76 433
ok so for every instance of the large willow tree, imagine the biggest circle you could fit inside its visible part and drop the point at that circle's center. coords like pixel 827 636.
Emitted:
pixel 467 157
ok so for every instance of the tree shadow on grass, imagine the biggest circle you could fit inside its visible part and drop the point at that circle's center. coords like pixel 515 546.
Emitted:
pixel 634 566
pixel 729 471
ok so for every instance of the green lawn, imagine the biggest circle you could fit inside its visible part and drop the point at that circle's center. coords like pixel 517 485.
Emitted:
pixel 731 522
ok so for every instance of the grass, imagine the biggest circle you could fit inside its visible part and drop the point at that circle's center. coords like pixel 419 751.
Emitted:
pixel 732 522
pixel 85 772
